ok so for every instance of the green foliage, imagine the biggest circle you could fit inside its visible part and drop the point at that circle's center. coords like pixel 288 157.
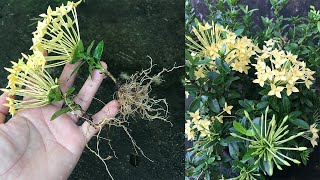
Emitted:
pixel 69 104
pixel 93 60
pixel 267 142
pixel 249 143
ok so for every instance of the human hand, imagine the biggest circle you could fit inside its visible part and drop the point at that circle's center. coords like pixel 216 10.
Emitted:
pixel 33 147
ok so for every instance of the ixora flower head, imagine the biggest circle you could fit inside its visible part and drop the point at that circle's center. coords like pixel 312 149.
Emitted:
pixel 269 142
pixel 23 66
pixel 281 70
pixel 212 40
pixel 36 85
pixel 58 34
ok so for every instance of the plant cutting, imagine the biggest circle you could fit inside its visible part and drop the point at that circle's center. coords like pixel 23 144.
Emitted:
pixel 57 42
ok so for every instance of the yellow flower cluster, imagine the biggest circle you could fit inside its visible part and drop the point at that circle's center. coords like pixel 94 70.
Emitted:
pixel 210 38
pixel 197 125
pixel 28 81
pixel 58 34
pixel 281 70
pixel 32 83
pixel 202 125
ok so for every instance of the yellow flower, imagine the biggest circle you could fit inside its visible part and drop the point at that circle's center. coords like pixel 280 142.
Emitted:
pixel 227 108
pixel 209 39
pixel 291 88
pixel 58 34
pixel 10 104
pixel 240 66
pixel 199 73
pixel 205 123
pixel 220 118
pixel 260 80
pixel 38 85
pixel 313 142
pixel 35 61
pixel 315 136
pixel 308 83
pixel 284 70
pixel 270 43
pixel 279 58
pixel 196 115
pixel 275 90
pixel 203 127
pixel 188 131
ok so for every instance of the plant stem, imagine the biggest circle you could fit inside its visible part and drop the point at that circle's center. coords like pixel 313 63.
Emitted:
pixel 109 74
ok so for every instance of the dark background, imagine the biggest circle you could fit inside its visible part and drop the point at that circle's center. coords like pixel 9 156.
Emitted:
pixel 293 8
pixel 131 30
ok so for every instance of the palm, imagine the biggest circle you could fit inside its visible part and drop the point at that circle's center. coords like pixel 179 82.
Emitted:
pixel 32 136
pixel 33 147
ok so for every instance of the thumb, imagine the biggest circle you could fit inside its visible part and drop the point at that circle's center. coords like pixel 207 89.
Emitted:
pixel 3 109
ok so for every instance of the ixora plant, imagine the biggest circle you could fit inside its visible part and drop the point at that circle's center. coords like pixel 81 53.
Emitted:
pixel 58 36
pixel 254 102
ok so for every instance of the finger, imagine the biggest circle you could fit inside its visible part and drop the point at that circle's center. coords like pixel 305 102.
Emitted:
pixel 110 110
pixel 45 53
pixel 3 109
pixel 66 81
pixel 88 91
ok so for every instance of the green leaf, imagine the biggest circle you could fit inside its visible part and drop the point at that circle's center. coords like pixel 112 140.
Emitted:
pixel 294 114
pixel 222 101
pixel 79 53
pixel 226 67
pixel 223 50
pixel 268 167
pixel 195 104
pixel 250 132
pixel 98 51
pixel 210 160
pixel 207 174
pixel 76 69
pixel 245 104
pixel 212 75
pixel 199 168
pixel 239 127
pixel 300 123
pixel 205 61
pixel 239 31
pixel 188 56
pixel 214 106
pixel 55 95
pixel 60 112
pixel 262 105
pixel 248 155
pixel 234 150
pixel 318 25
pixel 89 48
pixel 228 140
pixel 70 91
pixel 233 95
pixel 275 104
pixel 191 88
pixel 286 104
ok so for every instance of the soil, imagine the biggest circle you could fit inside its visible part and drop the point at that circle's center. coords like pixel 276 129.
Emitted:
pixel 131 30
